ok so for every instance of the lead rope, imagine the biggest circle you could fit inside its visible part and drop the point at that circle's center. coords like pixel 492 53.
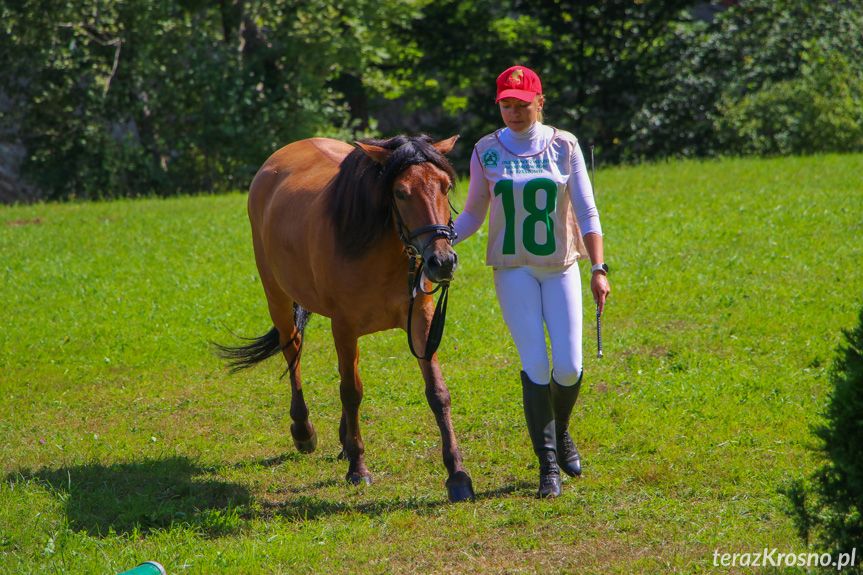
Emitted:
pixel 435 334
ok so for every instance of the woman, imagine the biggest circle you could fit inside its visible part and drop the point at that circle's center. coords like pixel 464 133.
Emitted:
pixel 543 219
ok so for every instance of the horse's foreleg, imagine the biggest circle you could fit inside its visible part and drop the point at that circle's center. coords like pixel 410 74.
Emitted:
pixel 302 430
pixel 351 391
pixel 459 484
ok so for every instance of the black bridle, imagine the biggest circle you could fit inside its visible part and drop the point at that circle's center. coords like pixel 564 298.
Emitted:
pixel 415 278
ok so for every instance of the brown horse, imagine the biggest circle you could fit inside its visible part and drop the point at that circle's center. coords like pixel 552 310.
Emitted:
pixel 334 228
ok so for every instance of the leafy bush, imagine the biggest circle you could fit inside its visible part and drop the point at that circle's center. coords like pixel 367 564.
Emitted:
pixel 162 97
pixel 829 506
pixel 179 96
pixel 761 56
pixel 821 110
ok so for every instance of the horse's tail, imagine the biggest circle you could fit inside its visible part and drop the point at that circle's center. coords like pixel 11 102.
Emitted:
pixel 260 348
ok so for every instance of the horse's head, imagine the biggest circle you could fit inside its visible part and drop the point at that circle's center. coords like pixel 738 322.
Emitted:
pixel 420 180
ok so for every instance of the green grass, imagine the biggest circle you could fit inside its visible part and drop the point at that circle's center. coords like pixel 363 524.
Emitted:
pixel 123 439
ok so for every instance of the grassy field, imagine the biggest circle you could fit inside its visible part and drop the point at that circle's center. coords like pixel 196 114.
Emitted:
pixel 123 439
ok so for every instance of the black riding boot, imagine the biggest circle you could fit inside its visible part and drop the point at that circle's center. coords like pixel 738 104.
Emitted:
pixel 563 399
pixel 540 426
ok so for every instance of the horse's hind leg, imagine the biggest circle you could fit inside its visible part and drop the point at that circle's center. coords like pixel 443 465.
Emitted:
pixel 302 430
pixel 351 391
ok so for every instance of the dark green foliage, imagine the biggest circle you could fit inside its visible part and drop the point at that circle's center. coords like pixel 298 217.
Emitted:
pixel 748 72
pixel 819 110
pixel 138 97
pixel 595 60
pixel 645 80
pixel 828 509
pixel 141 97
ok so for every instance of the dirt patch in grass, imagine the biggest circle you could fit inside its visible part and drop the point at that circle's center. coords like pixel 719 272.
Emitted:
pixel 20 223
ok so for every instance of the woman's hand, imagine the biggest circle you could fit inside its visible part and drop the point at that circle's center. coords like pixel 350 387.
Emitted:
pixel 600 289
pixel 599 282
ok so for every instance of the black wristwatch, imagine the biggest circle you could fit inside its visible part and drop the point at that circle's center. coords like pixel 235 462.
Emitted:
pixel 602 268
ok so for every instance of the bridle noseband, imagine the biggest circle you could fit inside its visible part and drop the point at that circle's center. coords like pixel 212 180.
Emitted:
pixel 448 231
pixel 415 275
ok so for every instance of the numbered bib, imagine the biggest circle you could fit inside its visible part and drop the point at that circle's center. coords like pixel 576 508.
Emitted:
pixel 531 220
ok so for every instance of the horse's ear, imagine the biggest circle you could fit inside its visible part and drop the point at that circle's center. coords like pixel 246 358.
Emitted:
pixel 445 146
pixel 378 154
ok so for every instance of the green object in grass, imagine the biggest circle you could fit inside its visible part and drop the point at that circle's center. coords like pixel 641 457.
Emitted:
pixel 146 568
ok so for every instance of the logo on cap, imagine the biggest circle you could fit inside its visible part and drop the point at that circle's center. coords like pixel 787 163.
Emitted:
pixel 515 78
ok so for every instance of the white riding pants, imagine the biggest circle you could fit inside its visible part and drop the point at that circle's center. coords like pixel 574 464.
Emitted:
pixel 528 295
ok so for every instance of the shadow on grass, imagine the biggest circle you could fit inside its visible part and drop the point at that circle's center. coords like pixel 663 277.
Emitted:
pixel 124 498
pixel 141 497
pixel 306 507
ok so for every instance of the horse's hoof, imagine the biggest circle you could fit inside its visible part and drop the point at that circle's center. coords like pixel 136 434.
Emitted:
pixel 460 487
pixel 460 493
pixel 357 479
pixel 307 446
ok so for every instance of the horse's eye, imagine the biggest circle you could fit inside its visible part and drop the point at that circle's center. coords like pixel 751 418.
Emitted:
pixel 400 194
pixel 448 190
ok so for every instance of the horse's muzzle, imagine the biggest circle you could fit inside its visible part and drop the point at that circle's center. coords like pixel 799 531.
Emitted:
pixel 440 265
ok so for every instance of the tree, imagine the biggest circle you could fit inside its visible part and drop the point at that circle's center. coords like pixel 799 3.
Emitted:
pixel 829 507
pixel 125 97
pixel 594 59
pixel 138 97
pixel 819 110
pixel 716 65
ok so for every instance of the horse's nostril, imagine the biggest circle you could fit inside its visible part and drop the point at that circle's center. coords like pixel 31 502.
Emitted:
pixel 441 268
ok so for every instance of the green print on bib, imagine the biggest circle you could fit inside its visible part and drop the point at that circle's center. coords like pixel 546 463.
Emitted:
pixel 536 215
pixel 490 158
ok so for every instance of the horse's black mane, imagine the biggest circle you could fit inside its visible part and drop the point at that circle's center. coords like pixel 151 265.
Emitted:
pixel 360 196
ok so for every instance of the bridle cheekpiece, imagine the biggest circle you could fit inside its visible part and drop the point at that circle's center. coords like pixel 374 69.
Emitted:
pixel 415 275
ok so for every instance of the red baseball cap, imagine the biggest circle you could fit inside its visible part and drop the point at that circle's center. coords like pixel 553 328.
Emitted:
pixel 518 82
